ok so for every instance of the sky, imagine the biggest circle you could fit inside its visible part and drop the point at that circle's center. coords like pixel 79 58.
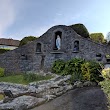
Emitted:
pixel 21 18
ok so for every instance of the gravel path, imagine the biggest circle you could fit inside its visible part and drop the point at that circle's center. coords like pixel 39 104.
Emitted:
pixel 89 98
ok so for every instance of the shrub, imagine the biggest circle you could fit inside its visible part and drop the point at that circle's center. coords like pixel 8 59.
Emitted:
pixel 97 37
pixel 91 71
pixel 1 72
pixel 79 69
pixel 27 39
pixel 73 67
pixel 81 30
pixel 58 66
pixel 106 73
pixel 95 74
pixel 85 71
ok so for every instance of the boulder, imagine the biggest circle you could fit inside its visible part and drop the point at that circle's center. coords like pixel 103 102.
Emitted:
pixel 22 103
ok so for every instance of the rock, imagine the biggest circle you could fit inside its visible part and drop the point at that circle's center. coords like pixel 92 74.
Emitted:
pixel 49 97
pixel 38 92
pixel 1 102
pixel 31 89
pixel 78 84
pixel 7 99
pixel 87 98
pixel 22 103
pixel 88 83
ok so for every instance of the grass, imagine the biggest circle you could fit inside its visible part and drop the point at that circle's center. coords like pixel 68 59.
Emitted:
pixel 106 88
pixel 19 79
pixel 1 97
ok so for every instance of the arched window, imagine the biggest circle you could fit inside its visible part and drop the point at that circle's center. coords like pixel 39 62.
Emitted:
pixel 38 47
pixel 57 43
pixel 76 46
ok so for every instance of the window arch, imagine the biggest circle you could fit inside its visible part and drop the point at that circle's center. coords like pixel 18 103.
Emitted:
pixel 76 46
pixel 57 42
pixel 38 47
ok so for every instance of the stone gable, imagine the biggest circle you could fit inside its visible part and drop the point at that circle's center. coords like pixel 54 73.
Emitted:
pixel 41 53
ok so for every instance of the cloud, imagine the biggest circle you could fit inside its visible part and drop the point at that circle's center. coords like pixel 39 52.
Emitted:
pixel 7 15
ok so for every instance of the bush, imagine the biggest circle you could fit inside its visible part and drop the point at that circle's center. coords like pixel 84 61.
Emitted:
pixel 81 30
pixel 73 67
pixel 1 72
pixel 25 40
pixel 85 71
pixel 106 73
pixel 79 69
pixel 58 66
pixel 95 71
pixel 98 37
pixel 91 71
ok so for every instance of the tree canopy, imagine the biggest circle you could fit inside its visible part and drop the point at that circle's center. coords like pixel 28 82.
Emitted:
pixel 108 37
pixel 27 39
pixel 98 37
pixel 80 29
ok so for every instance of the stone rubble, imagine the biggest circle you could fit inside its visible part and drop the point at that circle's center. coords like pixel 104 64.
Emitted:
pixel 36 93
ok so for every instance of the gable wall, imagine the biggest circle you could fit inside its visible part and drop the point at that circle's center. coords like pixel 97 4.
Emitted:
pixel 26 58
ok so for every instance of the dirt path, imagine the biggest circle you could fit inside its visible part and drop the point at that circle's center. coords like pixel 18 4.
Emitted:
pixel 91 98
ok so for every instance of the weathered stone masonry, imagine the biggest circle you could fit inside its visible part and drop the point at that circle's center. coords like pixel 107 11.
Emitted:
pixel 41 53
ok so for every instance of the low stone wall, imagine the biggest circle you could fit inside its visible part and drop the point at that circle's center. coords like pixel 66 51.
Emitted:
pixel 36 93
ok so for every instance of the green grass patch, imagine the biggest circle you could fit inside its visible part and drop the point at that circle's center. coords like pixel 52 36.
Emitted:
pixel 1 97
pixel 19 79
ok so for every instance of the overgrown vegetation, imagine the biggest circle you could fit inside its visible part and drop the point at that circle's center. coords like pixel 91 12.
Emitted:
pixel 80 29
pixel 1 72
pixel 58 66
pixel 25 40
pixel 98 37
pixel 106 73
pixel 4 50
pixel 22 79
pixel 106 83
pixel 79 69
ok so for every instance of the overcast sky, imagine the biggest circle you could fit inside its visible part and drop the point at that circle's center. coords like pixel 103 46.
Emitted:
pixel 20 18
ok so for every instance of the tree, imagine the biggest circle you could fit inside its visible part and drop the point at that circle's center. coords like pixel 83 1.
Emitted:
pixel 108 37
pixel 26 40
pixel 80 29
pixel 98 37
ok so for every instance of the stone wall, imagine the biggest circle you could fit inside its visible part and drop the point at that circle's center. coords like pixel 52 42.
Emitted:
pixel 27 58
